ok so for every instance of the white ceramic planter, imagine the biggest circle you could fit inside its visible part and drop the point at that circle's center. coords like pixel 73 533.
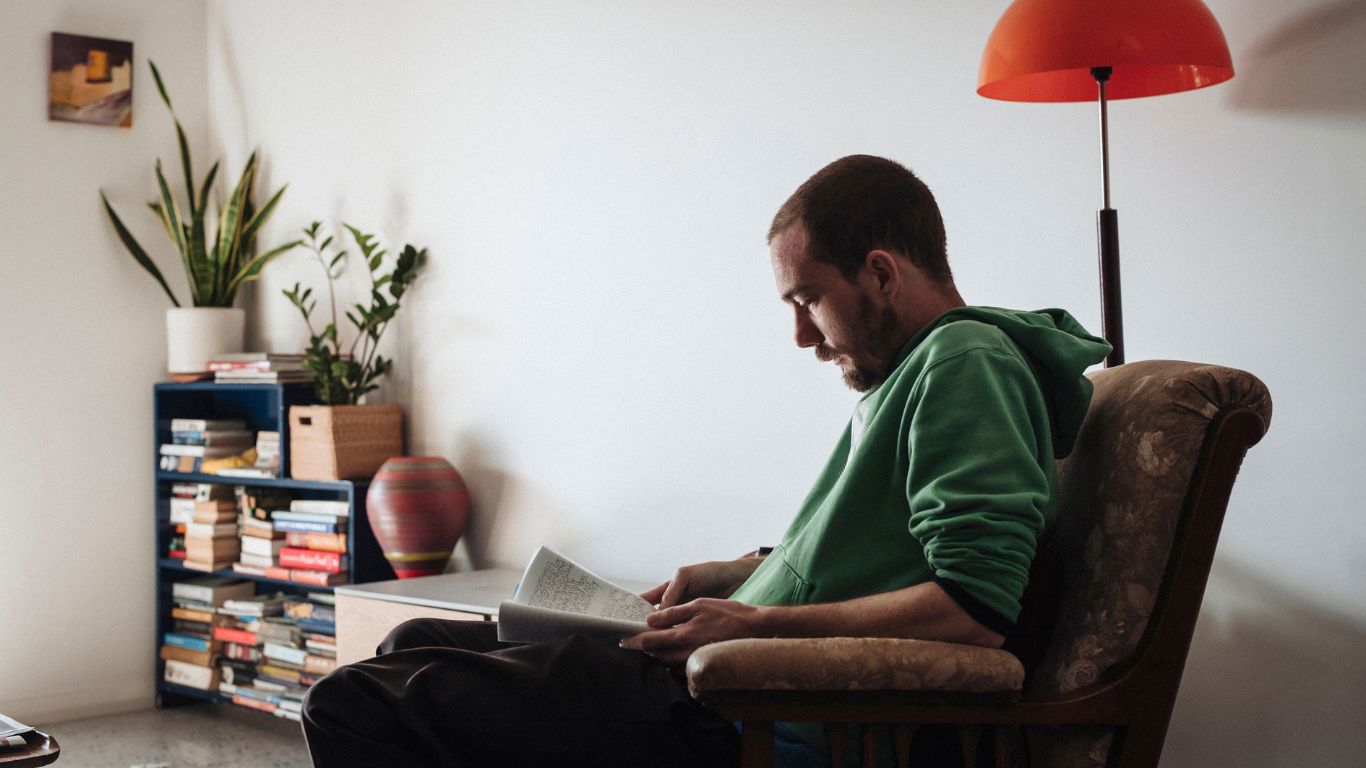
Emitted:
pixel 195 334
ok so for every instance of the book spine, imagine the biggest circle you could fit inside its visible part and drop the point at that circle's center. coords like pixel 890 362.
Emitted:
pixel 313 560
pixel 319 578
pixel 300 526
pixel 247 701
pixel 309 517
pixel 176 653
pixel 326 542
pixel 322 506
pixel 186 641
pixel 192 675
pixel 233 635
pixel 285 653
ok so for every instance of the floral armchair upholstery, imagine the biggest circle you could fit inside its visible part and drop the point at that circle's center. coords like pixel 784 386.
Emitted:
pixel 1094 664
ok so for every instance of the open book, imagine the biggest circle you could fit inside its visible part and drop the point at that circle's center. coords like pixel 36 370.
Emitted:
pixel 557 598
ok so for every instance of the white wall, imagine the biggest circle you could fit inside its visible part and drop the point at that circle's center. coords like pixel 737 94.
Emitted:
pixel 597 345
pixel 84 340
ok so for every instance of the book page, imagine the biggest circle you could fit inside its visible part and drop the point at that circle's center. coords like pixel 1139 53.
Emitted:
pixel 554 581
pixel 557 598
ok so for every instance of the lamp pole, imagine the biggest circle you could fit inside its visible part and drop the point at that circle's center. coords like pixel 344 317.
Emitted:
pixel 1107 226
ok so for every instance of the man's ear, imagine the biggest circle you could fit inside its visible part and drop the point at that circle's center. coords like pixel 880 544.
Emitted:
pixel 885 270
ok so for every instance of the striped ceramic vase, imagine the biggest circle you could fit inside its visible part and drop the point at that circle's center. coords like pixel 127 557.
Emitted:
pixel 417 507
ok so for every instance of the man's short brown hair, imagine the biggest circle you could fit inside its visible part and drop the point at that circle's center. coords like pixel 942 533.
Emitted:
pixel 862 203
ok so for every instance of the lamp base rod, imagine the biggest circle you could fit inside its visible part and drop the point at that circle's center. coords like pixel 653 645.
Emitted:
pixel 1111 309
pixel 1107 225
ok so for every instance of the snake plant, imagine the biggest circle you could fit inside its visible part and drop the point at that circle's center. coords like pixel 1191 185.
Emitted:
pixel 216 265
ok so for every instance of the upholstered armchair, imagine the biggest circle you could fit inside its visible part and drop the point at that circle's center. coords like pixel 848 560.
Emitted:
pixel 1090 673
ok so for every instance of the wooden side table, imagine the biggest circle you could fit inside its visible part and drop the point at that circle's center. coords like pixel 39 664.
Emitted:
pixel 366 612
pixel 41 750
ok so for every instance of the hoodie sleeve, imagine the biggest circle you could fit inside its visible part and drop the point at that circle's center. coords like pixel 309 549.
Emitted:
pixel 979 479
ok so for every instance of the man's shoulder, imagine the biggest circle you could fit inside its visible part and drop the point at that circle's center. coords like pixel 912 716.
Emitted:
pixel 964 336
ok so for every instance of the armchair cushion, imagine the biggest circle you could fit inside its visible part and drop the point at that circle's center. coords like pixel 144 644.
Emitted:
pixel 852 664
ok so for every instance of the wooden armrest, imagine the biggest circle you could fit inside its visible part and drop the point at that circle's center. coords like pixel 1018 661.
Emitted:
pixel 851 664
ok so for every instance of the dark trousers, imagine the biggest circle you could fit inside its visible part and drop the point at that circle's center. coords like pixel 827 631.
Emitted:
pixel 447 693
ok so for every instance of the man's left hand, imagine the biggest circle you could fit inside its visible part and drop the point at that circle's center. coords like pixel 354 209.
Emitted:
pixel 678 631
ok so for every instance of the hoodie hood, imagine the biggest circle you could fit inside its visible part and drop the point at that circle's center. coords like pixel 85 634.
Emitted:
pixel 1059 350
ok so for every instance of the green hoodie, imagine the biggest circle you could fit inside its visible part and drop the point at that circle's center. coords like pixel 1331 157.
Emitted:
pixel 946 471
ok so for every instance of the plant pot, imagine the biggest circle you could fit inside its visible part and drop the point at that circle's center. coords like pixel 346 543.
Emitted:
pixel 342 442
pixel 196 334
pixel 417 507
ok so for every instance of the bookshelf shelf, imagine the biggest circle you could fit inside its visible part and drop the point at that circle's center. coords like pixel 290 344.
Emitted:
pixel 261 407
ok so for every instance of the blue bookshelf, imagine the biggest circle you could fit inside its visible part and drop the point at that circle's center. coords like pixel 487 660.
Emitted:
pixel 261 407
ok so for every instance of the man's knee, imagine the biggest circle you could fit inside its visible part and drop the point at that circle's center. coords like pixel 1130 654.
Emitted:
pixel 326 700
pixel 478 636
pixel 413 633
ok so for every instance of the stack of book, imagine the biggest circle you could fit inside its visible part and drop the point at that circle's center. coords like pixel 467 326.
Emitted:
pixel 190 649
pixel 211 540
pixel 195 440
pixel 264 656
pixel 258 368
pixel 315 541
pixel 184 496
pixel 261 543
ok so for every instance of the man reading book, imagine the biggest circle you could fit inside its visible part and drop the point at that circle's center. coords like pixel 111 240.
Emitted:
pixel 923 523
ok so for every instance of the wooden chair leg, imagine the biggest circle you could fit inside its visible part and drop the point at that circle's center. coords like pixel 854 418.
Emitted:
pixel 901 740
pixel 756 745
pixel 967 736
pixel 835 736
pixel 1003 751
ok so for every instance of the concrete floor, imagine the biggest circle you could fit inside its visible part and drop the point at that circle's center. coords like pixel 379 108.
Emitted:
pixel 200 735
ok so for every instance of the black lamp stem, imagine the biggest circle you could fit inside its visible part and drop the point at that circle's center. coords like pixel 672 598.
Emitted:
pixel 1107 225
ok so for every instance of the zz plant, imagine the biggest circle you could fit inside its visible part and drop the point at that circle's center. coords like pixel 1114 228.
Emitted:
pixel 216 265
pixel 343 377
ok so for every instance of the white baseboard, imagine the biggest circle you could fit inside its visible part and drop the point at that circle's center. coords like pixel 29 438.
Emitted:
pixel 41 711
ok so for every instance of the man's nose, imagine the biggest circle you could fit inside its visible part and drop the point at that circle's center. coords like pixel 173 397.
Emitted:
pixel 807 334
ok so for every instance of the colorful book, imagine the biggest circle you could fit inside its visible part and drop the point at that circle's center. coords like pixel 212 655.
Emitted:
pixel 187 641
pixel 187 656
pixel 234 635
pixel 212 590
pixel 323 506
pixel 191 675
pixel 302 526
pixel 308 517
pixel 327 542
pixel 204 425
pixel 318 578
pixel 313 560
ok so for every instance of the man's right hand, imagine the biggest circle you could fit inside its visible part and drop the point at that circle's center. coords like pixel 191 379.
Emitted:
pixel 719 578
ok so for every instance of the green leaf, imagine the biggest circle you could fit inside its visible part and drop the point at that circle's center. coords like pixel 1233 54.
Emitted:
pixel 249 231
pixel 156 75
pixel 135 249
pixel 253 268
pixel 185 161
pixel 204 191
pixel 227 251
pixel 172 214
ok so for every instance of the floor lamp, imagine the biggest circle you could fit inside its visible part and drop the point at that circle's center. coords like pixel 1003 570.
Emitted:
pixel 1085 50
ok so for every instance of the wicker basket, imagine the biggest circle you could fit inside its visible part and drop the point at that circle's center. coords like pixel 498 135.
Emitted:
pixel 340 442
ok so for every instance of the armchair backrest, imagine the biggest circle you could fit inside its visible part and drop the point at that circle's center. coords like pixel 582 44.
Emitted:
pixel 1142 498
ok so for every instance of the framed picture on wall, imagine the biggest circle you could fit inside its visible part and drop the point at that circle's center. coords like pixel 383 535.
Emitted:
pixel 90 80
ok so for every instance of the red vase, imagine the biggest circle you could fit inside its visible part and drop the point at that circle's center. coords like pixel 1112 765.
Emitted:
pixel 417 506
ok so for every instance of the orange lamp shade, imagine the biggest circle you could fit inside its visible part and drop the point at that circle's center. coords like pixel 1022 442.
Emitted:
pixel 1043 50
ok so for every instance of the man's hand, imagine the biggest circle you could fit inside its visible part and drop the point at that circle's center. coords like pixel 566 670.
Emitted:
pixel 715 579
pixel 678 631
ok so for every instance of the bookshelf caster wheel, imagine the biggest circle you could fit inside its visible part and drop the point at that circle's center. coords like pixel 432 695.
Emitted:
pixel 160 701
